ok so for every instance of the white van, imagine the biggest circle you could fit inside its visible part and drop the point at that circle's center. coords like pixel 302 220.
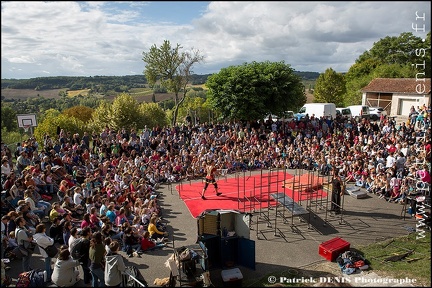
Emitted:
pixel 345 113
pixel 318 110
pixel 359 111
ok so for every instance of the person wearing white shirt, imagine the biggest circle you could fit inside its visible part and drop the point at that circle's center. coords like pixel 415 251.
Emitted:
pixel 73 238
pixel 390 160
pixel 5 167
pixel 44 241
pixel 77 197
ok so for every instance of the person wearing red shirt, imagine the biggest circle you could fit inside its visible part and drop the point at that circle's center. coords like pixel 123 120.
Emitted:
pixel 146 242
pixel 301 125
pixel 292 124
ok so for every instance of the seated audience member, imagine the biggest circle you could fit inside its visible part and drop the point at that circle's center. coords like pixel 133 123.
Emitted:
pixel 94 218
pixel 121 217
pixel 65 273
pixel 56 231
pixel 148 243
pixel 57 211
pixel 108 231
pixel 40 212
pixel 424 174
pixel 111 214
pixel 87 223
pixel 76 210
pixel 132 242
pixel 153 230
pixel 136 224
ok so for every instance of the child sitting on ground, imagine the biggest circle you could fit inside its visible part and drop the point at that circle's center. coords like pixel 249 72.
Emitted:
pixel 149 244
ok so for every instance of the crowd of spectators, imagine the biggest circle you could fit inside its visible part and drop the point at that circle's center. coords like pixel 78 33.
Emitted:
pixel 105 183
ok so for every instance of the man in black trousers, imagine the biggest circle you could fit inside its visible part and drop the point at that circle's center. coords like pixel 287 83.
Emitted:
pixel 338 188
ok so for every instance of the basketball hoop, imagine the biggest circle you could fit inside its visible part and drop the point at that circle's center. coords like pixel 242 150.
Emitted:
pixel 26 128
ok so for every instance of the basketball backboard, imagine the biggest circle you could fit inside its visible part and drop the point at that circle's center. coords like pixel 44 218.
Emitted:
pixel 25 120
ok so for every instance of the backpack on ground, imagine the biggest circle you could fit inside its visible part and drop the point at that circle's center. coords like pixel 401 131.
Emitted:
pixel 24 279
pixel 37 278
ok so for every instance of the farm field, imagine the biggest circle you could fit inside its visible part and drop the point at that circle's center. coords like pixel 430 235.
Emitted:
pixel 23 94
pixel 73 93
pixel 140 94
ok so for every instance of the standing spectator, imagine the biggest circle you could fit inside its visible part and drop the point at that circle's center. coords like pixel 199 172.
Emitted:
pixel 337 192
pixel 73 238
pixel 114 266
pixel 44 241
pixel 24 238
pixel 55 230
pixel 67 226
pixel 85 258
pixel 97 260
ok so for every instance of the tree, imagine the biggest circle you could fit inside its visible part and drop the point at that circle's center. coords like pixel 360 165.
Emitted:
pixel 101 117
pixel 405 56
pixel 330 88
pixel 49 126
pixel 125 112
pixel 253 90
pixel 81 112
pixel 9 118
pixel 152 115
pixel 172 68
pixel 395 50
pixel 194 106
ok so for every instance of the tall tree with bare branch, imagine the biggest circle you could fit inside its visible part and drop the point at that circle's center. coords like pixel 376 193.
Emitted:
pixel 172 67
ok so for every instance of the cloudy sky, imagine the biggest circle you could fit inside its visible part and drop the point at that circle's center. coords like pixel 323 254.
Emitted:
pixel 40 39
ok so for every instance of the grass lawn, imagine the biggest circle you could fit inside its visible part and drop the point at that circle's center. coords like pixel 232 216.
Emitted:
pixel 415 266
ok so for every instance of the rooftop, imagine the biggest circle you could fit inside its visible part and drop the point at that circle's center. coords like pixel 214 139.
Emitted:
pixel 397 85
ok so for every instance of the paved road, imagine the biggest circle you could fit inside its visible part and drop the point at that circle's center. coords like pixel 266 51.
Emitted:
pixel 280 245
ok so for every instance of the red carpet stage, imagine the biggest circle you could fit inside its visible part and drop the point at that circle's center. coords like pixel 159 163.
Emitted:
pixel 246 193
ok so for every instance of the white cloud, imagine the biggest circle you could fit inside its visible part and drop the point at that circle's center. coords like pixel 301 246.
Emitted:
pixel 108 38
